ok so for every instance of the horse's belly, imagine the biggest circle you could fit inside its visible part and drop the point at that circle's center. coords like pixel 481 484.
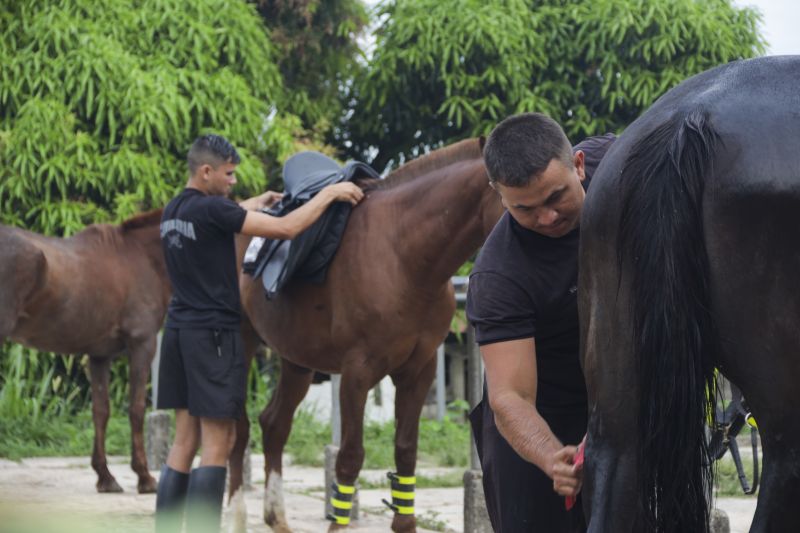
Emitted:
pixel 63 337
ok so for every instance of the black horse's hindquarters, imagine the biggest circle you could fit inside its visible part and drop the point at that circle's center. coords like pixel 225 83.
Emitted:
pixel 687 261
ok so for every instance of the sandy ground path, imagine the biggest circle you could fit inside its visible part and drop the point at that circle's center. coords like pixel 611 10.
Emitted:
pixel 58 495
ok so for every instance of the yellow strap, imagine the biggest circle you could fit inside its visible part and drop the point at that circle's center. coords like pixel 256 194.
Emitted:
pixel 404 510
pixel 406 480
pixel 403 495
pixel 340 504
pixel 341 520
pixel 344 489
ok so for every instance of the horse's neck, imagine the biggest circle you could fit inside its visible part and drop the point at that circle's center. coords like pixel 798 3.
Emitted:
pixel 444 221
pixel 148 239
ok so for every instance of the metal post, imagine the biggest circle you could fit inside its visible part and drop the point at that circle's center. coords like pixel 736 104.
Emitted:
pixel 440 383
pixel 476 518
pixel 154 371
pixel 157 439
pixel 475 377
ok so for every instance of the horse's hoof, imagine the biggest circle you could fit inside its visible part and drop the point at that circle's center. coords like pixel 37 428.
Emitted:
pixel 278 525
pixel 148 485
pixel 404 524
pixel 281 527
pixel 108 485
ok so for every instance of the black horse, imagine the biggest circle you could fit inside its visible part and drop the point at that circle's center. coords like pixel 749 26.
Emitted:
pixel 690 260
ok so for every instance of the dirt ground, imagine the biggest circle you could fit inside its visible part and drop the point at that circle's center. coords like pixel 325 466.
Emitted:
pixel 49 495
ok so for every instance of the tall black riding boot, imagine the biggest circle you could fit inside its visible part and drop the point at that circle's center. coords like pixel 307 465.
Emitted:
pixel 172 487
pixel 204 500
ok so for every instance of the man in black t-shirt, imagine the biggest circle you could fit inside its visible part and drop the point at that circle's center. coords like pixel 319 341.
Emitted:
pixel 202 372
pixel 522 301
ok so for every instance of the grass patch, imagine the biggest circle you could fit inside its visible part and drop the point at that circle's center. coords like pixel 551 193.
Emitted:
pixel 60 436
pixel 441 443
pixel 726 479
pixel 449 480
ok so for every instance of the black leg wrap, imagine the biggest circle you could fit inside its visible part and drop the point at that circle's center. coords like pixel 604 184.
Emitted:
pixel 402 494
pixel 342 502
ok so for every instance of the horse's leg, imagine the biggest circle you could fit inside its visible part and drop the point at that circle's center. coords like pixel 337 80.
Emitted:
pixel 354 388
pixel 141 355
pixel 609 484
pixel 764 364
pixel 413 384
pixel 276 424
pixel 251 342
pixel 779 490
pixel 99 372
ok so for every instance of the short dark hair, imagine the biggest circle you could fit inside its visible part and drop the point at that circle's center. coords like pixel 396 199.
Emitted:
pixel 211 150
pixel 521 147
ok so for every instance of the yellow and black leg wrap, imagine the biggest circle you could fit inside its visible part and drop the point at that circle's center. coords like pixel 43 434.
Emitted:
pixel 342 503
pixel 402 494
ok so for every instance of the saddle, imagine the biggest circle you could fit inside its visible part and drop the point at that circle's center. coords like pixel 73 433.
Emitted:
pixel 308 255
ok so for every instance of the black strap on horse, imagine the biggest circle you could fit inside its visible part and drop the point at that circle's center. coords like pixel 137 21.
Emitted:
pixel 728 423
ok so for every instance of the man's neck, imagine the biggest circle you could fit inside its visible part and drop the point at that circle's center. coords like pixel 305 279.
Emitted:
pixel 196 185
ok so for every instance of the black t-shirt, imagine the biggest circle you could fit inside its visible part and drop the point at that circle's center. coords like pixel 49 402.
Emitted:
pixel 197 235
pixel 525 285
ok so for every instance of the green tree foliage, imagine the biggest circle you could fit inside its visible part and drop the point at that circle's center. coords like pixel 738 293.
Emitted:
pixel 99 101
pixel 447 69
pixel 317 55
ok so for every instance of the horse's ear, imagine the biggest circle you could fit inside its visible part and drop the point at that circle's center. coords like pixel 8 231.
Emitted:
pixel 482 143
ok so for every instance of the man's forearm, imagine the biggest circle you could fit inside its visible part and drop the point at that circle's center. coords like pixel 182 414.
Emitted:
pixel 301 218
pixel 526 431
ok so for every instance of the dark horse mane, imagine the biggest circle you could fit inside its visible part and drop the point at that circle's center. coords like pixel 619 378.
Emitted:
pixel 142 220
pixel 460 151
pixel 661 251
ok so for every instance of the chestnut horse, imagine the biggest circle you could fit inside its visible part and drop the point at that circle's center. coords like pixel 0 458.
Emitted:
pixel 384 308
pixel 102 292
pixel 689 260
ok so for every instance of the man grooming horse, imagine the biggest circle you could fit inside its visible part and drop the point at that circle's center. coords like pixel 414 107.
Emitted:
pixel 522 301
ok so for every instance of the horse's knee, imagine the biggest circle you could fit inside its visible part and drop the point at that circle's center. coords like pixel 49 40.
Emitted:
pixel 348 464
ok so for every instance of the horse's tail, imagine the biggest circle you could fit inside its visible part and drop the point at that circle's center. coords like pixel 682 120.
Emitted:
pixel 662 253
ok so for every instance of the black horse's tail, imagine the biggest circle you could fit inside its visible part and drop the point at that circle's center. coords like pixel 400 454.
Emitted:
pixel 663 255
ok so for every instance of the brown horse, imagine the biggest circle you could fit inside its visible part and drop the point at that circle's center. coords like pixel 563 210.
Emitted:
pixel 103 291
pixel 385 306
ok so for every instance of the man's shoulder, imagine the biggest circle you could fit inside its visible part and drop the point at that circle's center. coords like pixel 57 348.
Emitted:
pixel 496 249
pixel 597 142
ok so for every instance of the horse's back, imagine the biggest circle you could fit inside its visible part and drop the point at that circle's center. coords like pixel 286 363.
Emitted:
pixel 82 294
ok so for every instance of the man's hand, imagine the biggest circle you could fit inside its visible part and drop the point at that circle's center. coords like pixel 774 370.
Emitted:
pixel 567 477
pixel 345 191
pixel 262 201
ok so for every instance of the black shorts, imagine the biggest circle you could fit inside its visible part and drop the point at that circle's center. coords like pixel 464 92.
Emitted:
pixel 519 496
pixel 202 370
